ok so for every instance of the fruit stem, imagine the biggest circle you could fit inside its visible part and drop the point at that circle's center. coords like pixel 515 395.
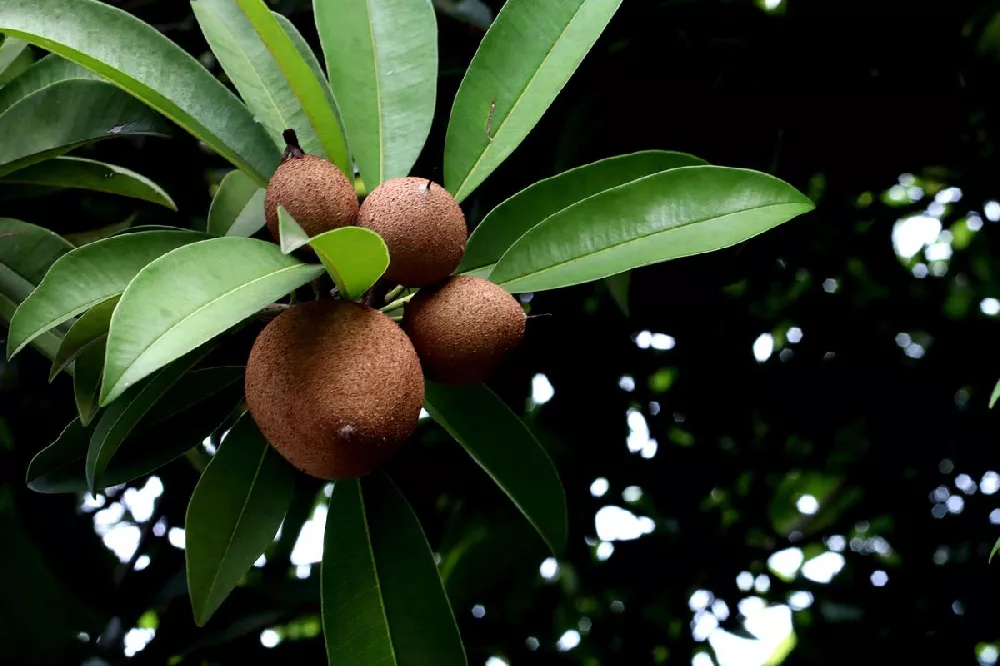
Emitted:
pixel 393 293
pixel 292 148
pixel 398 303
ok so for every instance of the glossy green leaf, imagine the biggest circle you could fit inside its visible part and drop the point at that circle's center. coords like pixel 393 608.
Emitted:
pixel 993 551
pixel 672 214
pixel 26 253
pixel 20 65
pixel 527 56
pixel 86 276
pixel 490 553
pixel 302 80
pixel 50 69
pixel 188 413
pixel 507 451
pixel 383 64
pixel 47 343
pixel 88 331
pixel 382 598
pixel 93 235
pixel 354 257
pixel 253 70
pixel 310 58
pixel 88 370
pixel 69 114
pixel 15 58
pixel 71 445
pixel 238 207
pixel 110 41
pixel 122 416
pixel 618 285
pixel 10 51
pixel 188 297
pixel 79 173
pixel 995 395
pixel 233 515
pixel 519 214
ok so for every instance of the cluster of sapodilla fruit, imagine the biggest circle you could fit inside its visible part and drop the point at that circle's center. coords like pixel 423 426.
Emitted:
pixel 336 386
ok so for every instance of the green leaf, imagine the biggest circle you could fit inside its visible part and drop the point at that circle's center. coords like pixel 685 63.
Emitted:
pixel 382 598
pixel 238 207
pixel 89 330
pixel 527 56
pixel 71 445
pixel 86 276
pixel 15 59
pixel 354 257
pixel 110 42
pixel 519 214
pixel 291 235
pixel 10 51
pixel 302 81
pixel 88 370
pixel 994 550
pixel 253 70
pixel 507 451
pixel 383 63
pixel 69 114
pixel 26 253
pixel 47 343
pixel 307 54
pixel 121 416
pixel 189 412
pixel 92 235
pixel 47 71
pixel 618 286
pixel 487 558
pixel 672 214
pixel 233 515
pixel 189 296
pixel 79 173
pixel 995 395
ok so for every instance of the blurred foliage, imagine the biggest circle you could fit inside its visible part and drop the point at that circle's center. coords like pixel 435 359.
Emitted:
pixel 873 401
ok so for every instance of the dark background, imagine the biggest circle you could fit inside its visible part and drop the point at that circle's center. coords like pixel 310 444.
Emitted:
pixel 845 100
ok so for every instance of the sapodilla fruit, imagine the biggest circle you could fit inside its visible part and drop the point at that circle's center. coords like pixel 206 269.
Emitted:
pixel 463 329
pixel 335 387
pixel 421 224
pixel 314 191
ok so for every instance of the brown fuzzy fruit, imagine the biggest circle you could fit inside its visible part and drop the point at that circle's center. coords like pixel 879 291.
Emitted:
pixel 316 193
pixel 463 329
pixel 421 224
pixel 335 387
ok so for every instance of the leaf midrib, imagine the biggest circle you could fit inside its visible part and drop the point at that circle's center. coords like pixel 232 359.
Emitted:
pixel 186 317
pixel 378 98
pixel 144 93
pixel 263 87
pixel 517 102
pixel 236 528
pixel 635 240
pixel 378 581
pixel 447 425
pixel 93 471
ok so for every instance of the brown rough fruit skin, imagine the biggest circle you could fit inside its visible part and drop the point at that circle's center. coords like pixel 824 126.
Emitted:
pixel 316 193
pixel 421 224
pixel 335 387
pixel 463 329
